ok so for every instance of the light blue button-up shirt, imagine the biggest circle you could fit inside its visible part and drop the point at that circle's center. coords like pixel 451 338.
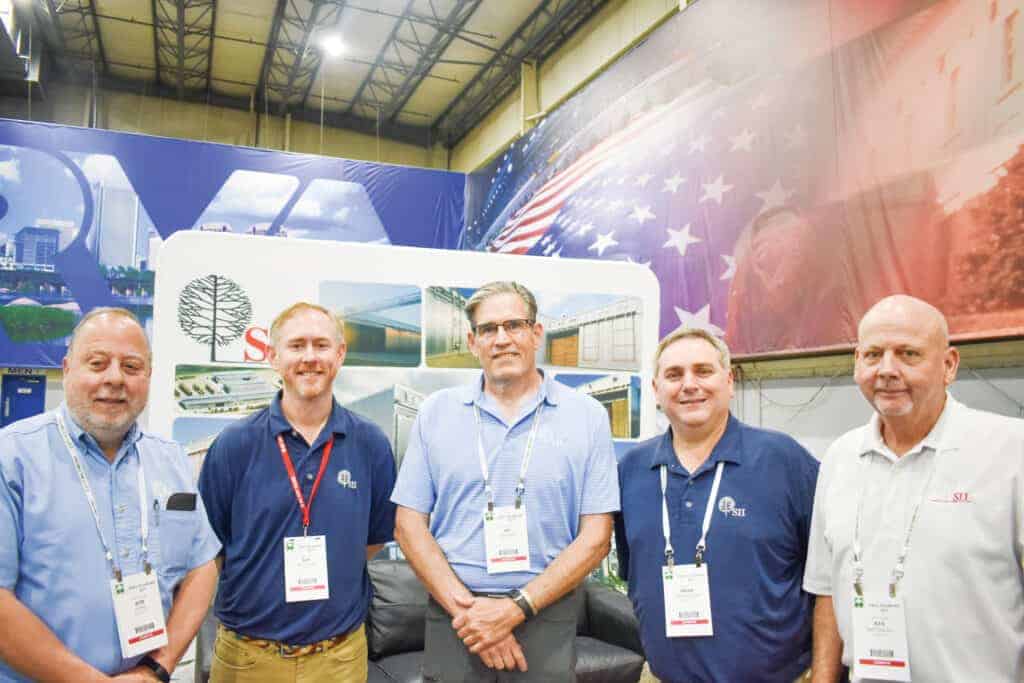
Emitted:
pixel 51 556
pixel 572 472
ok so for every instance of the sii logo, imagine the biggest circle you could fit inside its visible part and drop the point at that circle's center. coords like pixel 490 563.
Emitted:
pixel 727 506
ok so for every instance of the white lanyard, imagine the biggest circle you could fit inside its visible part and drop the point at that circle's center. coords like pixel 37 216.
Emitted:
pixel 667 531
pixel 521 485
pixel 858 554
pixel 87 489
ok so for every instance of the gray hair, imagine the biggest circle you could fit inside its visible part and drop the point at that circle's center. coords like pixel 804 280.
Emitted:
pixel 501 287
pixel 693 333
pixel 115 311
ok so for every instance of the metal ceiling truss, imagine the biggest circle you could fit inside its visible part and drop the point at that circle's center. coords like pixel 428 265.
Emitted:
pixel 291 62
pixel 183 43
pixel 407 57
pixel 547 28
pixel 79 30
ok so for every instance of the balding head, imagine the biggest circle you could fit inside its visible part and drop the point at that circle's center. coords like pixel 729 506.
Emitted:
pixel 903 364
pixel 902 308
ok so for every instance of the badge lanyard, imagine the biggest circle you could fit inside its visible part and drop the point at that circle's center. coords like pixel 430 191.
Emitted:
pixel 527 454
pixel 858 553
pixel 666 530
pixel 87 489
pixel 303 505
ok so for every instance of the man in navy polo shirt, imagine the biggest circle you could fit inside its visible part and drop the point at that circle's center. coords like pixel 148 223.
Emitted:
pixel 713 532
pixel 298 494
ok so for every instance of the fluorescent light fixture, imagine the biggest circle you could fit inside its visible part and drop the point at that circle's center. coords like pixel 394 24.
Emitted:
pixel 332 45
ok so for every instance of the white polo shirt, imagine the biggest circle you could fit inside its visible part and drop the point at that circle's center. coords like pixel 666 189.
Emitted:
pixel 963 587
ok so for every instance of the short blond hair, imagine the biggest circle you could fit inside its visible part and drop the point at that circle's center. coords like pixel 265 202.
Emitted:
pixel 501 287
pixel 296 308
pixel 693 333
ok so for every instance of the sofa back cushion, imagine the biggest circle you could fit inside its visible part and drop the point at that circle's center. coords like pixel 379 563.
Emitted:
pixel 397 617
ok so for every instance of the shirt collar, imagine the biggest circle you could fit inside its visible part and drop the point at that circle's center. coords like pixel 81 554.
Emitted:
pixel 79 435
pixel 728 449
pixel 939 437
pixel 337 423
pixel 549 390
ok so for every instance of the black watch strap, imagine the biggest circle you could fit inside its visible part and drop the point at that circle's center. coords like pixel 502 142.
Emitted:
pixel 157 668
pixel 522 603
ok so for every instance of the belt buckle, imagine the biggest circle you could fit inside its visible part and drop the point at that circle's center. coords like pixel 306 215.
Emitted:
pixel 287 651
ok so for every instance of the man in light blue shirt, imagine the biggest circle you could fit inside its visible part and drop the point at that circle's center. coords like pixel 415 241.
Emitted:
pixel 542 448
pixel 57 617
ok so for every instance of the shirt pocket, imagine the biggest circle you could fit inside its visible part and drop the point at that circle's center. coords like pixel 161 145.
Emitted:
pixel 177 531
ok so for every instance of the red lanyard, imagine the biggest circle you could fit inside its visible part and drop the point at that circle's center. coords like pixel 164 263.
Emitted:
pixel 305 507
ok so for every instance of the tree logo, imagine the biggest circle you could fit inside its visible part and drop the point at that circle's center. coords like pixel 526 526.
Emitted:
pixel 214 310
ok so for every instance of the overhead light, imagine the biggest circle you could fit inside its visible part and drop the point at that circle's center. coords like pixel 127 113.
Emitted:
pixel 332 45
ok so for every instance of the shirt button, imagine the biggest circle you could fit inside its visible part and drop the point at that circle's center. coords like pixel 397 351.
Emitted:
pixel 122 507
pixel 295 434
pixel 689 503
pixel 125 553
pixel 690 483
pixel 309 477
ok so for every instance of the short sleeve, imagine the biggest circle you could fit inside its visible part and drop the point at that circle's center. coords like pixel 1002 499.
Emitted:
pixel 10 530
pixel 382 510
pixel 601 482
pixel 818 571
pixel 415 488
pixel 215 487
pixel 205 546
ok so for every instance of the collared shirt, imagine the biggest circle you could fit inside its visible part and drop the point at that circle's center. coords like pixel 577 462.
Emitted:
pixel 51 556
pixel 756 548
pixel 963 588
pixel 252 508
pixel 571 473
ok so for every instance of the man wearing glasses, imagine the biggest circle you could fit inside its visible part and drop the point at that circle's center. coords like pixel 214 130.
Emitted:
pixel 505 497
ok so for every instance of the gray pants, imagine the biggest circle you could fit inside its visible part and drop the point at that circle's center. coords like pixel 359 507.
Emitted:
pixel 548 641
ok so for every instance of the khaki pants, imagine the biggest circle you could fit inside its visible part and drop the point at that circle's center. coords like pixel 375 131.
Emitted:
pixel 238 661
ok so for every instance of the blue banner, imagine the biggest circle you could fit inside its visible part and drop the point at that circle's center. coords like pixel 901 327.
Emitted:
pixel 83 214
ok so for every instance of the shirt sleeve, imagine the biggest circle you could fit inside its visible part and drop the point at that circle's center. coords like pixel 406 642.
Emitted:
pixel 803 498
pixel 10 529
pixel 415 488
pixel 205 546
pixel 818 571
pixel 601 482
pixel 382 510
pixel 215 484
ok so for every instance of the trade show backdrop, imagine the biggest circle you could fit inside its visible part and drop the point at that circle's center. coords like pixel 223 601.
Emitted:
pixel 783 165
pixel 83 214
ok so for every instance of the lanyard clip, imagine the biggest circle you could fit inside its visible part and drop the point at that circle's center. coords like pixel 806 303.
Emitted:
pixel 698 557
pixel 670 557
pixel 117 575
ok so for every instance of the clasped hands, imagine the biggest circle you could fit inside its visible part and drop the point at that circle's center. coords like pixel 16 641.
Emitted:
pixel 485 626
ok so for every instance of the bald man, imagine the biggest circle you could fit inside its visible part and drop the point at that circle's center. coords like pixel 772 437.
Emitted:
pixel 917 533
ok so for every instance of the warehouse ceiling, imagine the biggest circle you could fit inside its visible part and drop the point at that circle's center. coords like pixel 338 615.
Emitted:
pixel 417 71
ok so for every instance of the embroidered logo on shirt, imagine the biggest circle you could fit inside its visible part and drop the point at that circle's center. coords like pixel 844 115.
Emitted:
pixel 727 505
pixel 955 497
pixel 346 480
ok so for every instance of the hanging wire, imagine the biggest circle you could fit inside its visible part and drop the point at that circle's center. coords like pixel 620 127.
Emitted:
pixel 996 388
pixel 802 406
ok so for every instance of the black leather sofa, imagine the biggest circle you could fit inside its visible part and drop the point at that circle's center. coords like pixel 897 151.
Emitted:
pixel 607 635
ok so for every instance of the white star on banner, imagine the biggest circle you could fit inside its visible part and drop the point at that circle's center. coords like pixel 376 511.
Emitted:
pixel 642 214
pixel 730 267
pixel 742 141
pixel 680 239
pixel 643 179
pixel 775 196
pixel 715 190
pixel 672 184
pixel 699 144
pixel 701 319
pixel 603 242
pixel 585 228
pixel 797 137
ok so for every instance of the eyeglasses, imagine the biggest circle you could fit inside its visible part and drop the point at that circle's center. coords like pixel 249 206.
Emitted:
pixel 516 327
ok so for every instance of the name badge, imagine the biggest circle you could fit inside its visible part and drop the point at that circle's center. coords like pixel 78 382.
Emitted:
pixel 880 639
pixel 505 540
pixel 305 568
pixel 139 614
pixel 687 601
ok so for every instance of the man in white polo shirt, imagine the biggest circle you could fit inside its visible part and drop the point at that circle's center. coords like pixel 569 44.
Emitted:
pixel 918 527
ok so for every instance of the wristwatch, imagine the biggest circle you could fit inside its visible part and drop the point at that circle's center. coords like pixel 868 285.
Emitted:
pixel 523 602
pixel 158 670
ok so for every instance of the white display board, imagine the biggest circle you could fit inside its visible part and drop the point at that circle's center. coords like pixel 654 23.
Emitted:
pixel 217 293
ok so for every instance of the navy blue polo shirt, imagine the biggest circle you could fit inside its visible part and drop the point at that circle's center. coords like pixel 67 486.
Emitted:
pixel 251 506
pixel 756 550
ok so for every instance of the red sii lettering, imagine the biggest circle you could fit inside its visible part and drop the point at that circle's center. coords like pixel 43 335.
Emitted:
pixel 257 344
